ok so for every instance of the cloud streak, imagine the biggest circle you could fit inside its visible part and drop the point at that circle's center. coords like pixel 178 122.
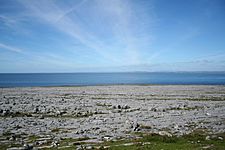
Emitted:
pixel 72 21
pixel 50 12
pixel 10 48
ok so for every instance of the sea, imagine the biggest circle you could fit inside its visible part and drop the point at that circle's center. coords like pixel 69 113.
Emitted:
pixel 130 78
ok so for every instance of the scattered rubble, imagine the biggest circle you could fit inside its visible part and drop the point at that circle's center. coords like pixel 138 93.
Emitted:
pixel 47 116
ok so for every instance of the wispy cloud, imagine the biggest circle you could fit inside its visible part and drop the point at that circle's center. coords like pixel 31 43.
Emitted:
pixel 70 10
pixel 50 12
pixel 14 23
pixel 10 48
pixel 7 21
pixel 128 26
pixel 117 14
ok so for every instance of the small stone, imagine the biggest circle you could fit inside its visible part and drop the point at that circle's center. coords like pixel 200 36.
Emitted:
pixel 220 138
pixel 101 147
pixel 208 114
pixel 79 148
pixel 154 109
pixel 12 138
pixel 164 133
pixel 136 127
pixel 126 107
pixel 96 128
pixel 36 143
pixel 6 112
pixel 28 147
pixel 176 126
pixel 36 109
pixel 77 132
pixel 55 143
pixel 95 112
pixel 81 131
pixel 58 113
pixel 41 117
pixel 219 123
pixel 89 147
pixel 207 138
pixel 106 138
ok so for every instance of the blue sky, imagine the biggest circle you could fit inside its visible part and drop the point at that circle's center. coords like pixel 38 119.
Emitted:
pixel 112 35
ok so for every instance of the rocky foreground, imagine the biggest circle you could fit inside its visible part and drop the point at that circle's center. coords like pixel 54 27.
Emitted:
pixel 48 117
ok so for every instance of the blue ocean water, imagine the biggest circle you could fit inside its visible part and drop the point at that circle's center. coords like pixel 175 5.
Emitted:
pixel 70 79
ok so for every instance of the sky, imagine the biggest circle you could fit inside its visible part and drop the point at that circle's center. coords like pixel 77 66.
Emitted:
pixel 111 35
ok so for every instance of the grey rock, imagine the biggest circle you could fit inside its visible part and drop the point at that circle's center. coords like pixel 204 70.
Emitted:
pixel 89 147
pixel 176 126
pixel 165 133
pixel 136 126
pixel 36 110
pixel 41 117
pixel 28 147
pixel 207 138
pixel 55 143
pixel 154 109
pixel 126 107
pixel 6 112
pixel 208 114
pixel 12 138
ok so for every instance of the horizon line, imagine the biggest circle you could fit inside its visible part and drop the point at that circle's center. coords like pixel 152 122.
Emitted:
pixel 112 72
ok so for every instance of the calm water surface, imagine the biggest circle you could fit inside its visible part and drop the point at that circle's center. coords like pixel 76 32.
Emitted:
pixel 63 79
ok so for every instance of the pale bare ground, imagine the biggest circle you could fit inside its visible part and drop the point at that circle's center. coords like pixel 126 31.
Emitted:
pixel 110 112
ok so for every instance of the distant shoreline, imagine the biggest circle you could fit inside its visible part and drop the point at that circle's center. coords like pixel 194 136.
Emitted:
pixel 113 72
pixel 102 85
